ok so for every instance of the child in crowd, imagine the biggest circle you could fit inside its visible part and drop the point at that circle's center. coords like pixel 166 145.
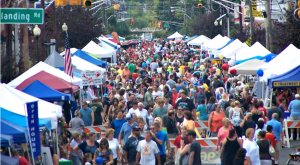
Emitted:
pixel 87 159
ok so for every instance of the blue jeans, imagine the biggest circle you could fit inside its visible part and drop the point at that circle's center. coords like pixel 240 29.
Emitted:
pixel 76 160
pixel 222 160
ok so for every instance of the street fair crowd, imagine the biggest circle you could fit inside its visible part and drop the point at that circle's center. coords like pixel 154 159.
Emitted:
pixel 147 112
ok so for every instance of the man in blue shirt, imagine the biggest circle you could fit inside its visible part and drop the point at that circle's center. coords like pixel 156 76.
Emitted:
pixel 277 130
pixel 87 115
pixel 294 108
pixel 117 123
pixel 161 138
pixel 127 128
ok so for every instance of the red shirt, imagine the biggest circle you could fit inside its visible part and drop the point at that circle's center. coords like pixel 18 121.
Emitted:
pixel 23 161
pixel 177 141
pixel 272 138
pixel 134 76
pixel 263 109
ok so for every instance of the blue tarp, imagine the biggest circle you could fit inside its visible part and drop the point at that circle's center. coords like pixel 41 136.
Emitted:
pixel 290 79
pixel 229 42
pixel 110 44
pixel 79 53
pixel 21 120
pixel 266 58
pixel 6 160
pixel 19 134
pixel 48 94
pixel 6 140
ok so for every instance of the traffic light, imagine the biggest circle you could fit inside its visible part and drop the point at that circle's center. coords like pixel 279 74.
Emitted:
pixel 132 21
pixel 75 2
pixel 60 2
pixel 200 6
pixel 159 25
pixel 298 6
pixel 87 3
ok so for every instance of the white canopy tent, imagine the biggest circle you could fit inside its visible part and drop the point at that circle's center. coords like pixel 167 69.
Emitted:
pixel 14 101
pixel 255 50
pixel 72 50
pixel 232 46
pixel 108 47
pixel 83 65
pixel 248 67
pixel 216 43
pixel 109 41
pixel 41 66
pixel 175 36
pixel 199 40
pixel 97 50
pixel 288 59
pixel 231 53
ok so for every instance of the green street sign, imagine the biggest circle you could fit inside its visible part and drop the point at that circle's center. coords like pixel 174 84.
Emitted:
pixel 21 16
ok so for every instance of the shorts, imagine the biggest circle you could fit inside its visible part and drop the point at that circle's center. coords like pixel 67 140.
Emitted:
pixel 295 118
pixel 278 146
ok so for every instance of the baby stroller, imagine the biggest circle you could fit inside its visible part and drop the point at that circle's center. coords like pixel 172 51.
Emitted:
pixel 294 159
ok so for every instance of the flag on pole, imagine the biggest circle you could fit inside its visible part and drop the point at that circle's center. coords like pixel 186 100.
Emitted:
pixel 68 59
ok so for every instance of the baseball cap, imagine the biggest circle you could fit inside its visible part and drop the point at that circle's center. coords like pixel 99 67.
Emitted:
pixel 128 116
pixel 136 128
pixel 140 97
pixel 297 96
pixel 105 95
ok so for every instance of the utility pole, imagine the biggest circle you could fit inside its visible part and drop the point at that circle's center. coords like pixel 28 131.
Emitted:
pixel 25 44
pixel 251 19
pixel 184 17
pixel 228 24
pixel 268 25
pixel 240 17
pixel 42 54
pixel 192 12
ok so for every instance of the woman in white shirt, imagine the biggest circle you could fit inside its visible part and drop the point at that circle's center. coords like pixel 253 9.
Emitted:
pixel 252 148
pixel 113 145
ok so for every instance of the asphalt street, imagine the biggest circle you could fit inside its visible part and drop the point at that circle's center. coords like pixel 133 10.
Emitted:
pixel 284 153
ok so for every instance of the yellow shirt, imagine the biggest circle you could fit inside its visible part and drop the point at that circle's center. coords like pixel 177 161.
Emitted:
pixel 205 86
pixel 120 72
pixel 182 69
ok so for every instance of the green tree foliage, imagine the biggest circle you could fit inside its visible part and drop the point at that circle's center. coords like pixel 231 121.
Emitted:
pixel 286 33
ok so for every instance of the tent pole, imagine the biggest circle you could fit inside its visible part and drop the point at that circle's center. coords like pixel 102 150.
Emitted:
pixel 271 97
pixel 57 144
pixel 9 151
pixel 80 101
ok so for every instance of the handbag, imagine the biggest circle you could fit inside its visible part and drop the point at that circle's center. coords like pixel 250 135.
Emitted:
pixel 271 150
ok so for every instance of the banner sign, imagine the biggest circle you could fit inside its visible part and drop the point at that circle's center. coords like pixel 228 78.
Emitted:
pixel 92 77
pixel 33 128
pixel 286 84
pixel 255 12
pixel 210 156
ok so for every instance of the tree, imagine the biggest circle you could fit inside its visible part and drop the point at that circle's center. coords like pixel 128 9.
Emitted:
pixel 82 26
pixel 285 33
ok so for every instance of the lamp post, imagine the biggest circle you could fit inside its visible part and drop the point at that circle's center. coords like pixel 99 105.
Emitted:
pixel 37 33
pixel 64 27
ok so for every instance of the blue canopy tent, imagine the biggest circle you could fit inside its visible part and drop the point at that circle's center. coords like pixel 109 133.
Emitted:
pixel 290 79
pixel 48 94
pixel 6 140
pixel 266 58
pixel 110 44
pixel 21 120
pixel 6 160
pixel 81 54
pixel 19 134
pixel 229 42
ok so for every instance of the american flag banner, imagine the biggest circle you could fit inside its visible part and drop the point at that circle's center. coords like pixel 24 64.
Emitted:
pixel 68 59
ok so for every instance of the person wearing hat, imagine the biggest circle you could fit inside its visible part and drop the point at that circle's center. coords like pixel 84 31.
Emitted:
pixel 127 128
pixel 294 108
pixel 76 123
pixel 130 146
pixel 195 149
pixel 148 96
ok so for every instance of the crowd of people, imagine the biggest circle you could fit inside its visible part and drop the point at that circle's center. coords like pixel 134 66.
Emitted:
pixel 157 91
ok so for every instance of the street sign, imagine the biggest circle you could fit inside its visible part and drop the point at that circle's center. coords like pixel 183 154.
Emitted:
pixel 21 16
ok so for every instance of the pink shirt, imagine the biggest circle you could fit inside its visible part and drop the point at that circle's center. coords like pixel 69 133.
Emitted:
pixel 222 134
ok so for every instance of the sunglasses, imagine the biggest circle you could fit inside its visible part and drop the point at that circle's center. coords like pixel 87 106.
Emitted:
pixel 152 128
pixel 102 144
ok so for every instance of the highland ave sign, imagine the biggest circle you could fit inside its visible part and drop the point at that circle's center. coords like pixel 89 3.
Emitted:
pixel 21 16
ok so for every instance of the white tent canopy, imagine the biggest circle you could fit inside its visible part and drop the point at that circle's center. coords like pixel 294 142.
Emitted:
pixel 216 43
pixel 97 50
pixel 14 101
pixel 248 67
pixel 176 35
pixel 232 46
pixel 57 61
pixel 255 50
pixel 41 66
pixel 72 50
pixel 288 59
pixel 83 65
pixel 199 40
pixel 108 47
pixel 231 53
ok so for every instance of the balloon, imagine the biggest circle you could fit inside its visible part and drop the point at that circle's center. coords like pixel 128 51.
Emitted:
pixel 268 58
pixel 231 63
pixel 232 71
pixel 225 66
pixel 221 56
pixel 99 160
pixel 260 72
